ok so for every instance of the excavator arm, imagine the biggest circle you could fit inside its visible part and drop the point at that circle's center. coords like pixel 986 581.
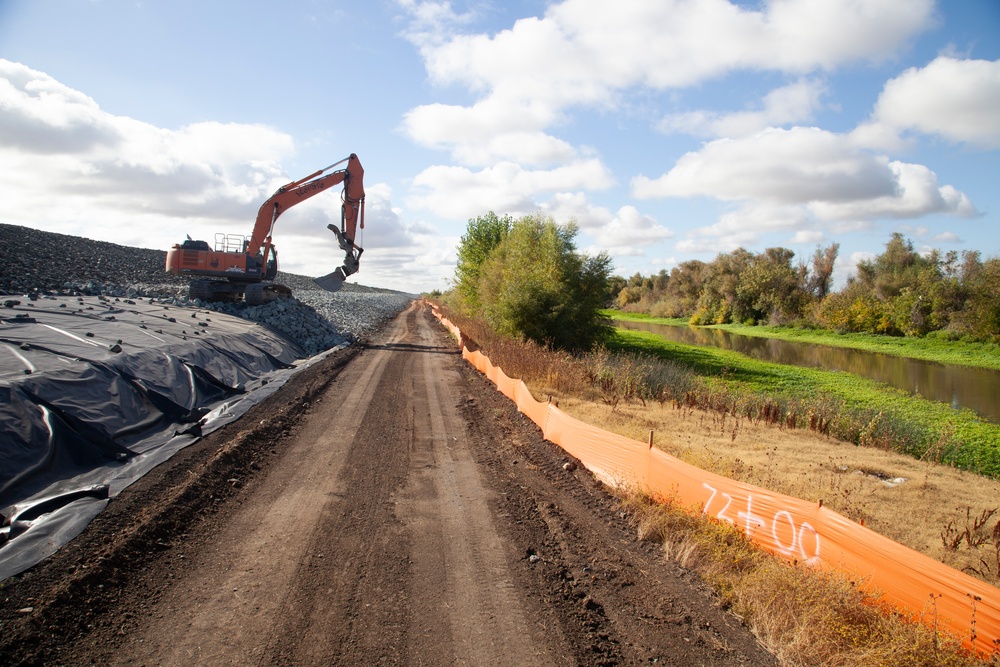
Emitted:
pixel 235 268
pixel 352 210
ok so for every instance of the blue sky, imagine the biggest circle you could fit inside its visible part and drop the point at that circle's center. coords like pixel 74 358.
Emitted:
pixel 667 130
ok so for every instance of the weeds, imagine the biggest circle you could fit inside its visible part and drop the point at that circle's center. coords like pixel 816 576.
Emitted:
pixel 976 536
pixel 634 377
pixel 727 404
pixel 805 617
pixel 526 360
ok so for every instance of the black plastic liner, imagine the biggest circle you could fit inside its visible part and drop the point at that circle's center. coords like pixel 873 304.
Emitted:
pixel 95 392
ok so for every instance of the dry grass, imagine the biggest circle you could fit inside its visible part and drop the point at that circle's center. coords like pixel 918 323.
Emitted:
pixel 805 617
pixel 934 510
pixel 533 363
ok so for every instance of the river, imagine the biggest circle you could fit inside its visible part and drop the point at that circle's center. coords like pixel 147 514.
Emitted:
pixel 959 386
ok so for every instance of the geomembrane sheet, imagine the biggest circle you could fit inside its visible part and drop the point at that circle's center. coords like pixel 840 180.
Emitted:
pixel 96 391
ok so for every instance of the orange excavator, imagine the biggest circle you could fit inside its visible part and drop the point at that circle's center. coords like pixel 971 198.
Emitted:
pixel 237 267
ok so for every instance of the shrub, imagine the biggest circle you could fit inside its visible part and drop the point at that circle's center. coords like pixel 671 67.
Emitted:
pixel 535 286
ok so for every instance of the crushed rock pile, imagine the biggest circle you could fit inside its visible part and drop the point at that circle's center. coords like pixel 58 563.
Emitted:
pixel 317 320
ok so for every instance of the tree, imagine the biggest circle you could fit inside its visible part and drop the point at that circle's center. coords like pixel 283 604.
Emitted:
pixel 892 271
pixel 719 301
pixel 980 319
pixel 615 285
pixel 683 288
pixel 535 285
pixel 660 281
pixel 770 289
pixel 822 271
pixel 482 236
pixel 628 295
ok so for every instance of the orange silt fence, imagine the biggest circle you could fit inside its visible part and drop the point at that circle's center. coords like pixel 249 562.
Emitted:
pixel 796 530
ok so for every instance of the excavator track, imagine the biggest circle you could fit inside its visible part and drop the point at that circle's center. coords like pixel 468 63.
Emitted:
pixel 254 294
pixel 201 289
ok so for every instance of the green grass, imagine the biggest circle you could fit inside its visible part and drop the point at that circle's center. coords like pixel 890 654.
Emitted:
pixel 864 411
pixel 962 353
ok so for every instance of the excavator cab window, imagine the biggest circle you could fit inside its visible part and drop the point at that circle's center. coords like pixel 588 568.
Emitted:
pixel 195 245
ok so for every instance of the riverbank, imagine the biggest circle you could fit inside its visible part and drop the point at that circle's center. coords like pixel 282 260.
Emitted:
pixel 938 349
pixel 857 410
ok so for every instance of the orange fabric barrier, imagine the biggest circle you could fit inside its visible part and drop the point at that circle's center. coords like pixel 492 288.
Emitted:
pixel 795 529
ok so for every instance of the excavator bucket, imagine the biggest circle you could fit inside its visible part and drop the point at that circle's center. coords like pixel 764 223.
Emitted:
pixel 331 282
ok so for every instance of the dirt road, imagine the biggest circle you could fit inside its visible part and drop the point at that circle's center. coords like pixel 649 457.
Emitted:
pixel 386 507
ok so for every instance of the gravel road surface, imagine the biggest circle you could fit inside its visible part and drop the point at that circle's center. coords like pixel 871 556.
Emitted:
pixel 387 506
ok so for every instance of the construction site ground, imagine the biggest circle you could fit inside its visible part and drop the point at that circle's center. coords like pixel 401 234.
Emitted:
pixel 386 507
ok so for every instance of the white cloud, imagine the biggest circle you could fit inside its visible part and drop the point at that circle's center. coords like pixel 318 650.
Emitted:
pixel 707 245
pixel 952 98
pixel 664 262
pixel 745 226
pixel 916 193
pixel 807 236
pixel 919 231
pixel 108 167
pixel 42 116
pixel 487 132
pixel 585 53
pixel 566 206
pixel 591 49
pixel 527 78
pixel 460 193
pixel 794 179
pixel 431 22
pixel 793 103
pixel 626 232
pixel 789 166
pixel 946 237
pixel 630 231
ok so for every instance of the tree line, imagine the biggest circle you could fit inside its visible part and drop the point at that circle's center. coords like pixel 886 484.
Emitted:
pixel 525 278
pixel 899 292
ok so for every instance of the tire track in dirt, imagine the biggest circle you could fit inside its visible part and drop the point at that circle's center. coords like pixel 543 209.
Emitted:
pixel 614 598
pixel 328 563
pixel 462 576
pixel 228 605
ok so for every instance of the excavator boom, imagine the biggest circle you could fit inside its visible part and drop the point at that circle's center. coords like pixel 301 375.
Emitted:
pixel 298 191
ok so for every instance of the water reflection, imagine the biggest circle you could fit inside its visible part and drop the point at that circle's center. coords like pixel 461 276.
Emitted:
pixel 960 386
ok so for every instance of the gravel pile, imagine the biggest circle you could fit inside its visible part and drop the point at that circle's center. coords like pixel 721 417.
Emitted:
pixel 47 263
pixel 318 320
